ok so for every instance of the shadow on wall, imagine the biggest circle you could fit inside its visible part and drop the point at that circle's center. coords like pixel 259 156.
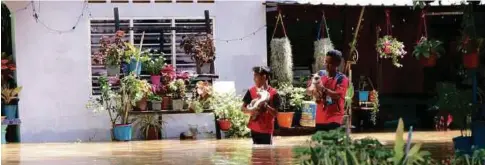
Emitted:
pixel 76 135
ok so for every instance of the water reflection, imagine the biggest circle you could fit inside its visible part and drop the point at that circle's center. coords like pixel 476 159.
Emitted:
pixel 203 152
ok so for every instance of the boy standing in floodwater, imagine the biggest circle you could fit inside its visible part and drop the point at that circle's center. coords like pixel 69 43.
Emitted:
pixel 262 126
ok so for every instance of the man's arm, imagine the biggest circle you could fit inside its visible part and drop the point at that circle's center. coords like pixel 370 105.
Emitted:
pixel 246 100
pixel 340 91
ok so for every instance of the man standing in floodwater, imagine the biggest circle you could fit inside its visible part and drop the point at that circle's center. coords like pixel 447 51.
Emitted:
pixel 262 126
pixel 330 106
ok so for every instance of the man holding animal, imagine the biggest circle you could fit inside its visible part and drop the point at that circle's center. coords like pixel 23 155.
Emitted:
pixel 329 89
pixel 262 102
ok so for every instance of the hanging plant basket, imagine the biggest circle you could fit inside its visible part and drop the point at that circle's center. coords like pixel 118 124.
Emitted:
pixel 427 51
pixel 390 47
pixel 224 124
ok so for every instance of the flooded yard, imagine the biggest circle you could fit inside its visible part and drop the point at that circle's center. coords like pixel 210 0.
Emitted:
pixel 203 152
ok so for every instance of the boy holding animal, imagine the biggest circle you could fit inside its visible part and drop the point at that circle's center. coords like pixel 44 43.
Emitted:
pixel 262 102
pixel 328 90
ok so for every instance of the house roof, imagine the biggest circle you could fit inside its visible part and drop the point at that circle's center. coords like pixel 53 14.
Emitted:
pixel 367 2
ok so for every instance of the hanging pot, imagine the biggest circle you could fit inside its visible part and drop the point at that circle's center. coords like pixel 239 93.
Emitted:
pixel 142 104
pixel 428 62
pixel 387 49
pixel 470 60
pixel 122 132
pixel 285 119
pixel 224 124
pixel 113 70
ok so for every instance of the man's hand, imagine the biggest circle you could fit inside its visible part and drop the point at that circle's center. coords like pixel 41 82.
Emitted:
pixel 262 107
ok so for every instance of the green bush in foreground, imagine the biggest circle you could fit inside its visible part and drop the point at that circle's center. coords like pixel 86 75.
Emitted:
pixel 334 148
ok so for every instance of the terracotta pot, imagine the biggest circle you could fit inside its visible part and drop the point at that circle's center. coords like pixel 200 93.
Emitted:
pixel 285 119
pixel 470 61
pixel 152 134
pixel 142 104
pixel 428 62
pixel 224 124
pixel 166 103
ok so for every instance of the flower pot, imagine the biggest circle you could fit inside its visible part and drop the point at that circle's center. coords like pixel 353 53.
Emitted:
pixel 224 124
pixel 428 62
pixel 166 103
pixel 285 119
pixel 155 79
pixel 363 96
pixel 387 49
pixel 205 68
pixel 4 132
pixel 463 144
pixel 156 105
pixel 470 61
pixel 113 70
pixel 10 111
pixel 478 134
pixel 142 104
pixel 177 104
pixel 122 132
pixel 135 66
pixel 152 134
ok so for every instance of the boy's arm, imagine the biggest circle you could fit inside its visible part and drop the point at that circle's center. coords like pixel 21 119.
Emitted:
pixel 246 101
pixel 273 110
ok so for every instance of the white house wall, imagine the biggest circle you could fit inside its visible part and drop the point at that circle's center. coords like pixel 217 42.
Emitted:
pixel 54 69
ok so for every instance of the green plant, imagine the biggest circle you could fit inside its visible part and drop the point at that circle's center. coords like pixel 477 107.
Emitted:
pixel 112 48
pixel 10 94
pixel 470 42
pixel 375 105
pixel 477 158
pixel 390 47
pixel 201 48
pixel 153 97
pixel 349 97
pixel 137 89
pixel 455 101
pixel 154 66
pixel 147 122
pixel 131 52
pixel 177 89
pixel 8 70
pixel 294 96
pixel 426 48
pixel 228 106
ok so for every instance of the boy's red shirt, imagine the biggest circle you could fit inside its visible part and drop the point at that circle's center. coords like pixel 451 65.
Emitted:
pixel 265 121
pixel 333 113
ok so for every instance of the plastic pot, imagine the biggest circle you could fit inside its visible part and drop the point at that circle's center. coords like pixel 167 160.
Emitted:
pixel 113 70
pixel 156 105
pixel 177 104
pixel 142 104
pixel 285 119
pixel 224 124
pixel 470 61
pixel 122 132
pixel 155 79
pixel 428 62
pixel 135 66
pixel 463 144
pixel 10 111
pixel 152 134
pixel 363 96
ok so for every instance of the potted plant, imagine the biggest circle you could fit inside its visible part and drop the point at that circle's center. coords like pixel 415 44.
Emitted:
pixel 135 57
pixel 202 50
pixel 177 89
pixel 293 100
pixel 153 67
pixel 390 47
pixel 9 96
pixel 117 105
pixel 112 48
pixel 224 104
pixel 427 51
pixel 150 126
pixel 168 75
pixel 156 102
pixel 139 90
pixel 458 103
pixel 8 69
pixel 470 49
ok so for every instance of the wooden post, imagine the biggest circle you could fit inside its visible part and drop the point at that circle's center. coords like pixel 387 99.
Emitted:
pixel 117 19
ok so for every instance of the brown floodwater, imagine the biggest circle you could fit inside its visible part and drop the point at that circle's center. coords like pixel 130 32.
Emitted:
pixel 196 152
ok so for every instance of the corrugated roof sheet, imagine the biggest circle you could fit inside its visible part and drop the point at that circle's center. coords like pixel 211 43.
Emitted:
pixel 368 2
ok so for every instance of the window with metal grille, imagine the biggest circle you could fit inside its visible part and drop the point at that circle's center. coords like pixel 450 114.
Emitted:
pixel 168 45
